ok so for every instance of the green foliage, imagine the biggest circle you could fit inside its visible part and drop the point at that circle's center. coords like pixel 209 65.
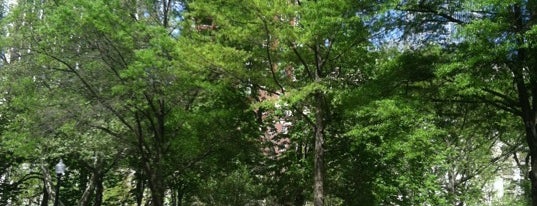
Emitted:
pixel 401 140
pixel 235 188
pixel 179 100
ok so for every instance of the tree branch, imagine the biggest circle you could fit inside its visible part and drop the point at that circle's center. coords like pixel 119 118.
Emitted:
pixel 302 61
pixel 88 87
pixel 422 9
pixel 269 55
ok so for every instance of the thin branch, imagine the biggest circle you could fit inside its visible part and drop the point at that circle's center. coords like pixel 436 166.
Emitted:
pixel 505 98
pixel 482 100
pixel 305 116
pixel 197 159
pixel 88 87
pixel 265 89
pixel 269 55
pixel 121 56
pixel 533 87
pixel 319 62
pixel 141 144
pixel 493 161
pixel 345 51
pixel 434 12
pixel 107 131
pixel 302 61
pixel 503 106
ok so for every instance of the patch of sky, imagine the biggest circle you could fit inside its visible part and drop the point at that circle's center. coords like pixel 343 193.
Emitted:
pixel 178 9
pixel 403 29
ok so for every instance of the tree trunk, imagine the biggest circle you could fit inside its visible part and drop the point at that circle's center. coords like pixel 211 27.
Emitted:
pixel 44 201
pixel 140 187
pixel 95 185
pixel 531 136
pixel 529 118
pixel 157 191
pixel 85 199
pixel 174 193
pixel 177 196
pixel 156 184
pixel 527 94
pixel 533 179
pixel 99 189
pixel 318 192
pixel 528 104
pixel 299 198
pixel 48 184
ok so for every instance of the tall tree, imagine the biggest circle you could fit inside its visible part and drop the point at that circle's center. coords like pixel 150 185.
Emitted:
pixel 117 68
pixel 301 51
pixel 406 126
pixel 493 55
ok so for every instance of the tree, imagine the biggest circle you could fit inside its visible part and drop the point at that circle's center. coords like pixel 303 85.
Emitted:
pixel 302 51
pixel 492 50
pixel 116 69
pixel 405 126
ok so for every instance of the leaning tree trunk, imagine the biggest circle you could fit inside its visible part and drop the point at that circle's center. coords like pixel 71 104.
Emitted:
pixel 44 201
pixel 85 199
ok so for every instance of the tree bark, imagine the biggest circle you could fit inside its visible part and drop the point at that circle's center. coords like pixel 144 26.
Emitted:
pixel 177 196
pixel 529 116
pixel 85 199
pixel 48 184
pixel 140 187
pixel 156 185
pixel 99 189
pixel 531 136
pixel 318 192
pixel 44 201
pixel 527 93
pixel 95 185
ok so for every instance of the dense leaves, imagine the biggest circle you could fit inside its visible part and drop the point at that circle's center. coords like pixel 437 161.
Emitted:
pixel 229 102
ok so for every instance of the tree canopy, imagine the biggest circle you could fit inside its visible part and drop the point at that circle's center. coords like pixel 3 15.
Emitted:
pixel 280 102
